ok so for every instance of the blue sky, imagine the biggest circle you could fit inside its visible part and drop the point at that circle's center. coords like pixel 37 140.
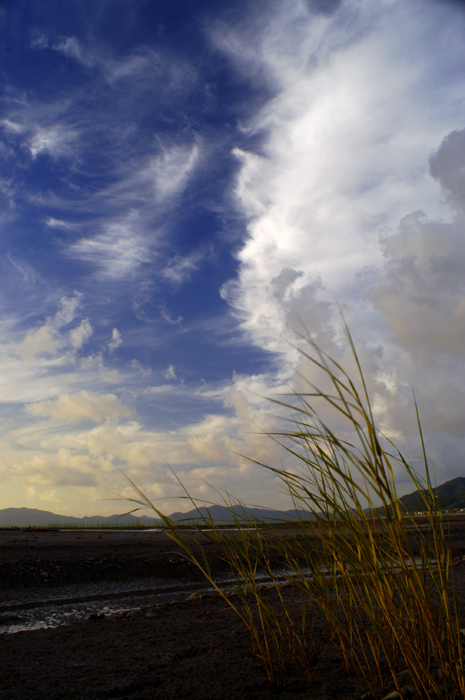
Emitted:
pixel 181 185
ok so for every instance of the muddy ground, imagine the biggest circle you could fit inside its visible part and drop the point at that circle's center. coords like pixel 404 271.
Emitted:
pixel 189 646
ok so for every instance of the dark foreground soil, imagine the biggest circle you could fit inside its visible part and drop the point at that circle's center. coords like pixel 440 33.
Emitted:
pixel 191 647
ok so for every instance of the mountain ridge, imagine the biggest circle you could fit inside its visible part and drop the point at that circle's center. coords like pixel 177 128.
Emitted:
pixel 449 495
pixel 33 517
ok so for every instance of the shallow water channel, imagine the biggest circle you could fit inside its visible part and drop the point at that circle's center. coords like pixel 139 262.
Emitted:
pixel 46 608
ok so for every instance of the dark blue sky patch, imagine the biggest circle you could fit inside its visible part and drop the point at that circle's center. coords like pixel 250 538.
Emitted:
pixel 323 7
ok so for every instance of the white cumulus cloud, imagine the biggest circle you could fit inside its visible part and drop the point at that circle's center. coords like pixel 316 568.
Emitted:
pixel 82 406
pixel 116 340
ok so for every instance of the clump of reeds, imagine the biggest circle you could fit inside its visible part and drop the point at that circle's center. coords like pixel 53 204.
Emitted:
pixel 384 584
pixel 247 548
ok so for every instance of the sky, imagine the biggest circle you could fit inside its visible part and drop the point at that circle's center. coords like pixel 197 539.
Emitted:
pixel 184 188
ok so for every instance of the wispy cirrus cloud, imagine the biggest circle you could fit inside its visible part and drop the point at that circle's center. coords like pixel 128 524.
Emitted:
pixel 181 268
pixel 11 126
pixel 164 313
pixel 139 175
pixel 116 251
pixel 172 168
pixel 142 63
pixel 37 126
pixel 56 141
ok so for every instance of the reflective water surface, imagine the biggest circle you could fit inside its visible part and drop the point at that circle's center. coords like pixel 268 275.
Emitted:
pixel 40 609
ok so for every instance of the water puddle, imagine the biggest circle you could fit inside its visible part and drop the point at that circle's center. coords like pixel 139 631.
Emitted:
pixel 54 607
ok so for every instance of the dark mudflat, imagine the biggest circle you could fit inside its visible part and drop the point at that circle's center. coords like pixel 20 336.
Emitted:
pixel 194 648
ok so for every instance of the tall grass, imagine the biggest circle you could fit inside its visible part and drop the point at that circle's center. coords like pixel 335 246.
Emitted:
pixel 384 585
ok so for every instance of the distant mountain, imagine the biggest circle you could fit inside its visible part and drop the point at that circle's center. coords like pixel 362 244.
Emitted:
pixel 31 517
pixel 449 496
pixel 227 514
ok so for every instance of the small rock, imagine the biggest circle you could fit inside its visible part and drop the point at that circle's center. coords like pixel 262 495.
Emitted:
pixel 94 617
pixel 403 675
